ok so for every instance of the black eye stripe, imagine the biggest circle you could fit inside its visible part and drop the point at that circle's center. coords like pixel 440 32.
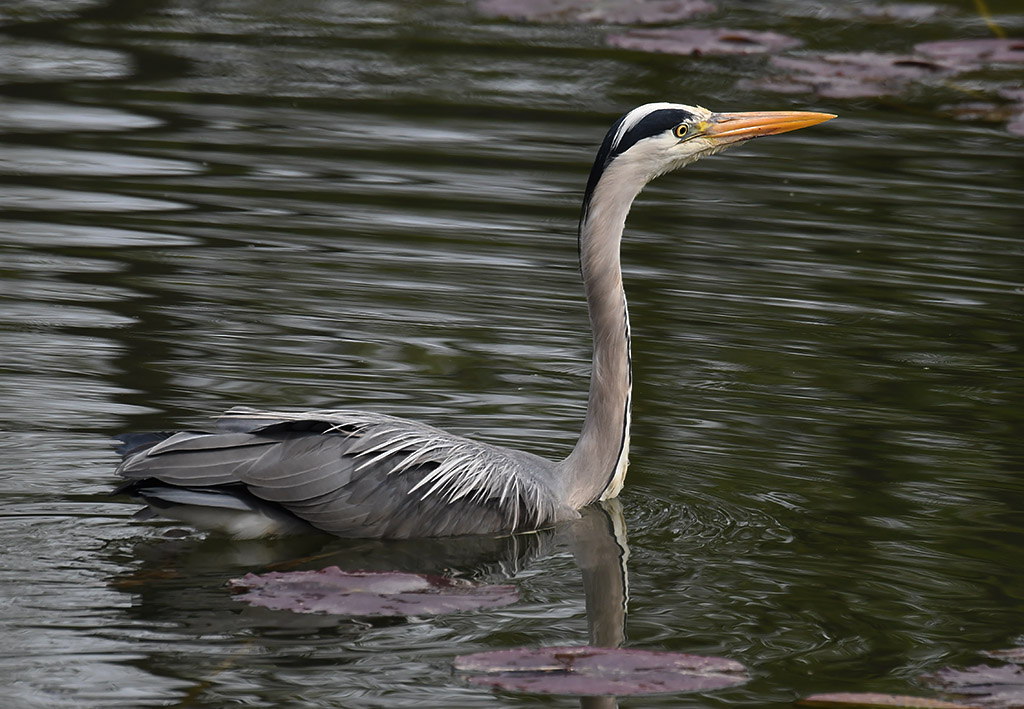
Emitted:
pixel 653 123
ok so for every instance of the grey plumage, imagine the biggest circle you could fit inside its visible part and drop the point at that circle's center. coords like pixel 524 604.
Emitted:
pixel 360 474
pixel 349 473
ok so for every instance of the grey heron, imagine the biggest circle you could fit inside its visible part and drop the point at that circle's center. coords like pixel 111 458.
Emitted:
pixel 360 474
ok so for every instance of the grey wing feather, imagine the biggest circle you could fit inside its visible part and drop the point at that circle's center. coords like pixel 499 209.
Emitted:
pixel 211 459
pixel 360 474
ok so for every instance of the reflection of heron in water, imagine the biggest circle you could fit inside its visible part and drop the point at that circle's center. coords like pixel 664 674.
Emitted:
pixel 184 577
pixel 360 474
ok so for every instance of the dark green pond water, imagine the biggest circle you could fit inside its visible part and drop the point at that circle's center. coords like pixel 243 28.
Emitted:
pixel 372 204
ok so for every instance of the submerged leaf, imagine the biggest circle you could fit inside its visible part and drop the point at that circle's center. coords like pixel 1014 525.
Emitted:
pixel 870 700
pixel 1016 125
pixel 968 52
pixel 1000 686
pixel 621 12
pixel 900 11
pixel 367 593
pixel 853 75
pixel 699 41
pixel 599 671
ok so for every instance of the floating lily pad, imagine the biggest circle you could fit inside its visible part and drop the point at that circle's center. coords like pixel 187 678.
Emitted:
pixel 901 11
pixel 599 671
pixel 617 12
pixel 853 75
pixel 843 700
pixel 367 593
pixel 1012 113
pixel 969 52
pixel 701 41
pixel 1015 125
pixel 1013 654
pixel 1001 687
pixel 877 75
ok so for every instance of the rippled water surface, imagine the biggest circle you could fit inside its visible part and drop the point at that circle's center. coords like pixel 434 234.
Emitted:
pixel 372 204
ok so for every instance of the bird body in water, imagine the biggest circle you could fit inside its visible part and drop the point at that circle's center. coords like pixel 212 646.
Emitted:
pixel 361 474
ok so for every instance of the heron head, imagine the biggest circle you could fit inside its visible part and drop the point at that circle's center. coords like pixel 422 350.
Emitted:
pixel 657 138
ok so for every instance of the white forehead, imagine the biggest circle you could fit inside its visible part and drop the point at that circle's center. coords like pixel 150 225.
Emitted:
pixel 640 112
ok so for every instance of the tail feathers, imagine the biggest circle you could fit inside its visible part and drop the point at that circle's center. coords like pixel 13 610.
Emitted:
pixel 163 496
pixel 132 443
pixel 228 509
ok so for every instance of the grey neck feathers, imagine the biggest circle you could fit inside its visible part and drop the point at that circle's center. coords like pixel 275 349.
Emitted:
pixel 596 466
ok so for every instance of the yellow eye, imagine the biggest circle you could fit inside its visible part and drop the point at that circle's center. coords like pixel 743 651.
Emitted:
pixel 681 130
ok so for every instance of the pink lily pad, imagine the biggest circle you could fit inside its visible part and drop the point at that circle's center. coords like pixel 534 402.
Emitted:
pixel 700 41
pixel 901 11
pixel 367 593
pixel 1014 93
pixel 618 12
pixel 968 52
pixel 858 700
pixel 1015 125
pixel 1001 686
pixel 595 671
pixel 1013 654
pixel 986 111
pixel 853 75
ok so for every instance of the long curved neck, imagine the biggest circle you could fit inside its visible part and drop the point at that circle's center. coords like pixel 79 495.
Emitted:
pixel 596 467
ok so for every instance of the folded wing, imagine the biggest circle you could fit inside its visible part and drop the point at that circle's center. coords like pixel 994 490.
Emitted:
pixel 346 473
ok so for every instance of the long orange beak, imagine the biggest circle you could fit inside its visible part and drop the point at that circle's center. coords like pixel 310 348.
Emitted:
pixel 728 128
